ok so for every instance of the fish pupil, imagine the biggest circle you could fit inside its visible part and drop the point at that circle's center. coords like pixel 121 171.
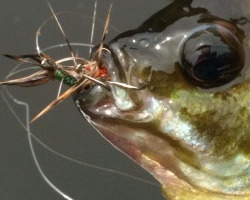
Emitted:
pixel 207 70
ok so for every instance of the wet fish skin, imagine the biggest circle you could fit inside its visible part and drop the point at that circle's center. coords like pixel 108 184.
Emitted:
pixel 191 135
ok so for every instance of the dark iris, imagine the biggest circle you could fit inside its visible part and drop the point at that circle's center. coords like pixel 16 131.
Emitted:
pixel 211 59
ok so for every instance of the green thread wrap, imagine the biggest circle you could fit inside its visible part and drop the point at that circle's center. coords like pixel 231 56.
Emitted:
pixel 68 80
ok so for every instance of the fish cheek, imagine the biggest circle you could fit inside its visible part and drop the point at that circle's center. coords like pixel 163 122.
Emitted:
pixel 162 84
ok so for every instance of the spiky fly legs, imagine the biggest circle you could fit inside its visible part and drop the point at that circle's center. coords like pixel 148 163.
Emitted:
pixel 80 75
pixel 76 77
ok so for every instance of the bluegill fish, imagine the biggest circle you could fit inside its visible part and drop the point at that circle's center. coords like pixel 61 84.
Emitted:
pixel 176 99
pixel 189 126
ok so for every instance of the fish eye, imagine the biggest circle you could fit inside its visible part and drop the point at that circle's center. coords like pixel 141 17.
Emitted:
pixel 212 57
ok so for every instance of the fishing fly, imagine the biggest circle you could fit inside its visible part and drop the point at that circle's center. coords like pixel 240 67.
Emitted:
pixel 78 73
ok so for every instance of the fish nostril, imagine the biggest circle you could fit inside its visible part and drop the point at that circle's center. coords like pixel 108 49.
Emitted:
pixel 144 43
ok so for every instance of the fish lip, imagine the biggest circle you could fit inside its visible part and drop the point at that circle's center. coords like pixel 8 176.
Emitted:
pixel 111 61
pixel 104 105
pixel 119 78
pixel 102 102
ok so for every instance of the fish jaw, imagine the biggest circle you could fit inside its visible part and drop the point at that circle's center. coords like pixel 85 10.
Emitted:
pixel 139 136
pixel 154 154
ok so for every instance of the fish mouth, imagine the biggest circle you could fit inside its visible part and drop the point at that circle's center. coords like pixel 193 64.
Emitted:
pixel 125 96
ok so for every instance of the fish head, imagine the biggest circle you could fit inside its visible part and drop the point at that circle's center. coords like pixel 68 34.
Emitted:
pixel 190 125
